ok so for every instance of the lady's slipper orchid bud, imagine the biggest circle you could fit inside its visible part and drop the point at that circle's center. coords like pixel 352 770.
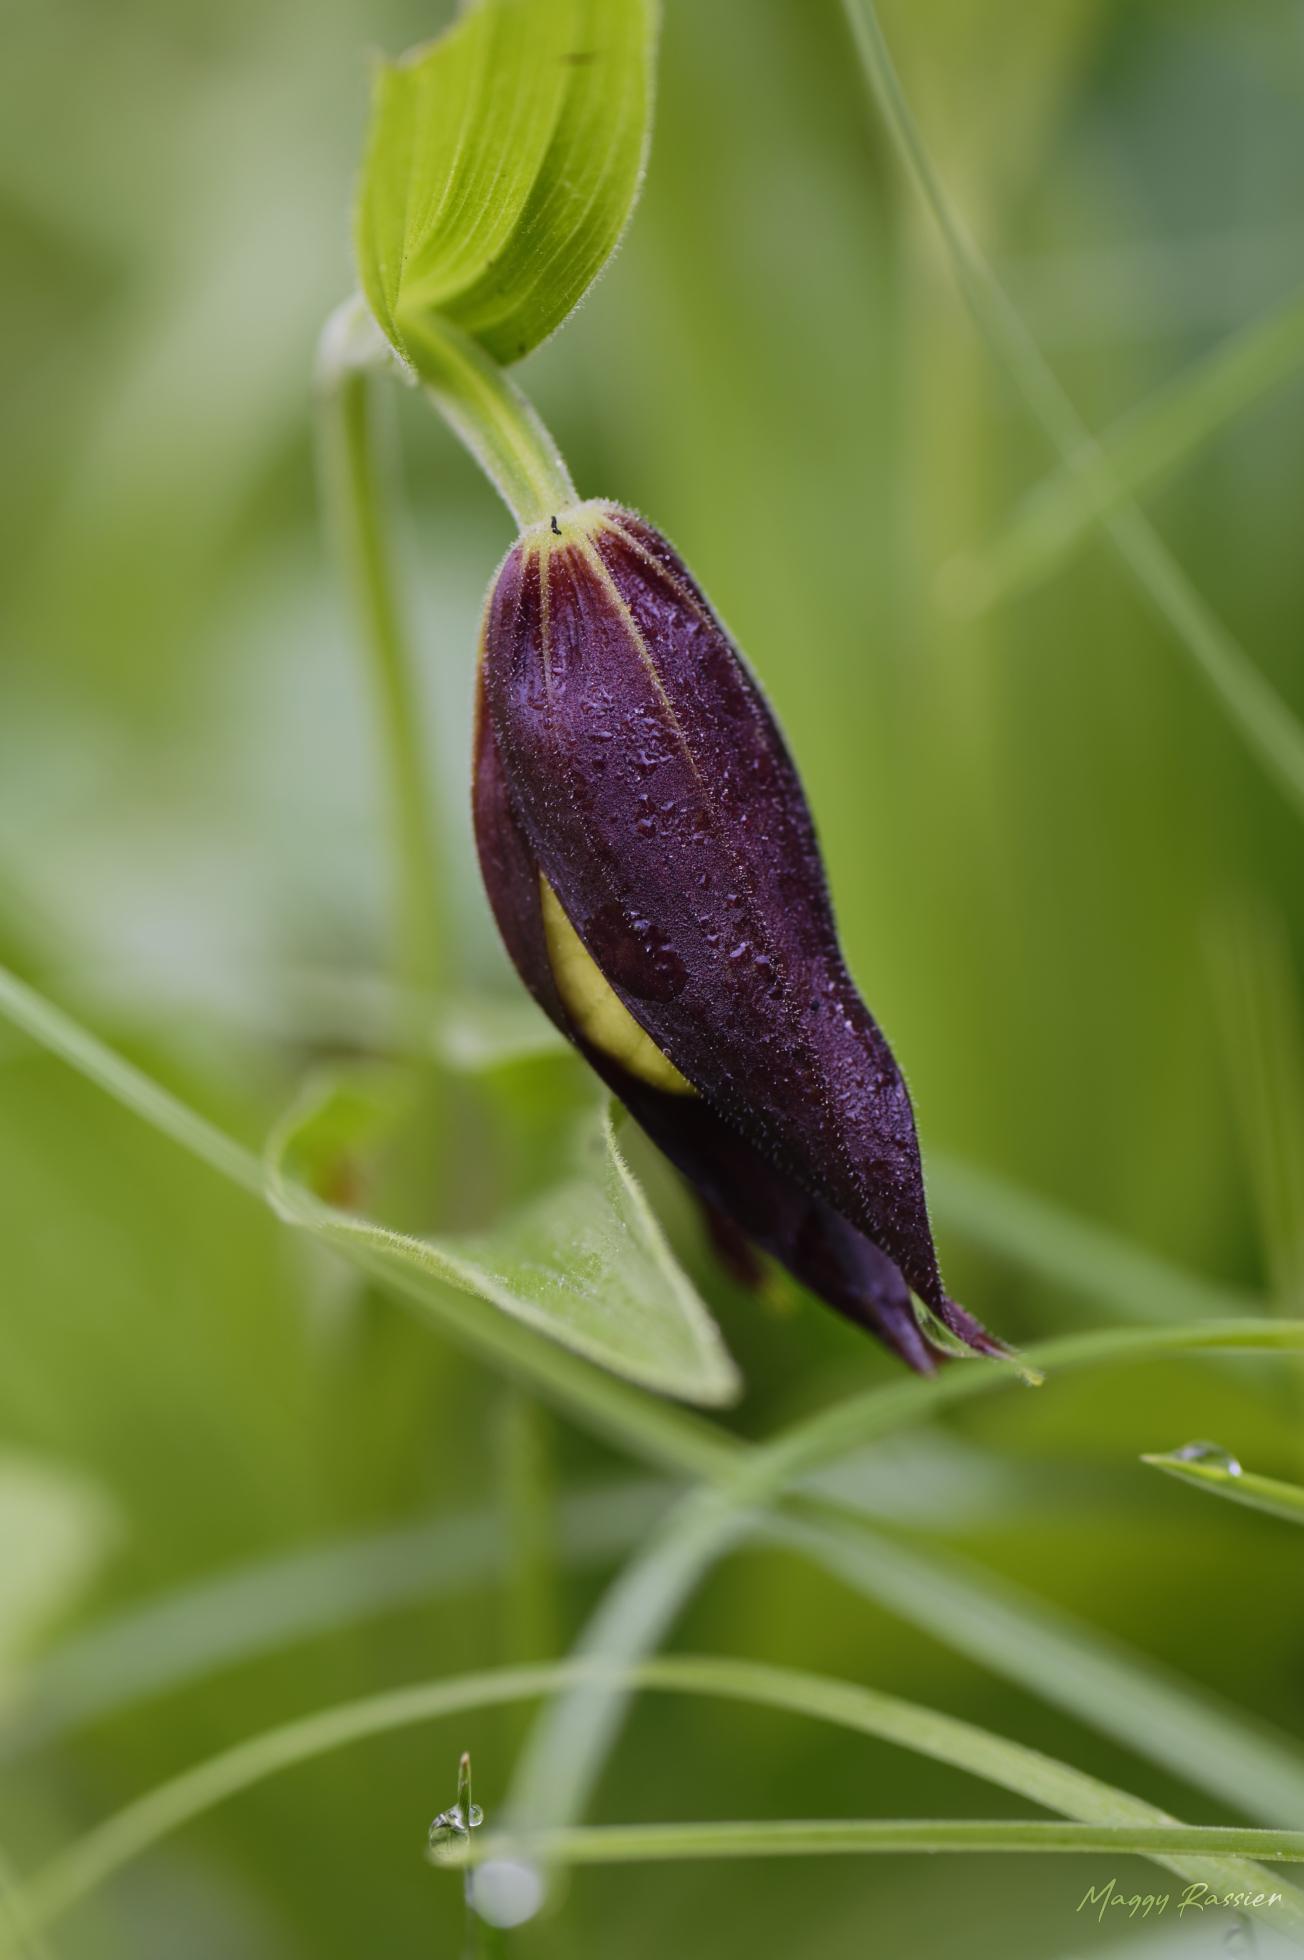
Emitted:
pixel 652 865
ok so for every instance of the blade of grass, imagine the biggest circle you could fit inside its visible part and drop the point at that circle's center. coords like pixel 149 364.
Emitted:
pixel 1052 520
pixel 1065 1662
pixel 1175 1845
pixel 1257 996
pixel 51 1028
pixel 190 1634
pixel 572 1737
pixel 1082 1257
pixel 86 1865
pixel 1279 1500
pixel 1255 709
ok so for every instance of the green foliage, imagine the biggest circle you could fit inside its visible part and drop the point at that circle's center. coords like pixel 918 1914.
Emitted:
pixel 1038 822
pixel 1274 734
pixel 583 1260
pixel 502 166
pixel 1122 1822
pixel 1212 1470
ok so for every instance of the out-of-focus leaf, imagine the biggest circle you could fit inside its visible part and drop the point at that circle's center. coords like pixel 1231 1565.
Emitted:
pixel 503 162
pixel 54 1532
pixel 584 1261
pixel 193 1633
pixel 1210 1469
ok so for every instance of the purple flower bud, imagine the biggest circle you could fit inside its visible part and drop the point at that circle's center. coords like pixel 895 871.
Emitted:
pixel 652 865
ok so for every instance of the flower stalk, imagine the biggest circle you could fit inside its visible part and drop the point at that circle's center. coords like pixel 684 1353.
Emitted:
pixel 491 417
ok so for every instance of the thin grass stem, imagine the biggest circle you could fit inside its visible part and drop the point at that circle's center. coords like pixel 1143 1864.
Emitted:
pixel 1254 707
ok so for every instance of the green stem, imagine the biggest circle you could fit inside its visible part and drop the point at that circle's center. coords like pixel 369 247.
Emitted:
pixel 638 1844
pixel 355 466
pixel 492 418
pixel 473 1947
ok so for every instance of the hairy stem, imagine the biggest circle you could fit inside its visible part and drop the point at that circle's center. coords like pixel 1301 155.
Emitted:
pixel 492 418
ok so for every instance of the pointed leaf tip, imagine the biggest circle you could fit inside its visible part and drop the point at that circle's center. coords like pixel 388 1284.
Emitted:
pixel 583 1261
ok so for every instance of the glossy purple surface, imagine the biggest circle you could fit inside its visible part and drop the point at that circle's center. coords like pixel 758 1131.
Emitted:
pixel 624 750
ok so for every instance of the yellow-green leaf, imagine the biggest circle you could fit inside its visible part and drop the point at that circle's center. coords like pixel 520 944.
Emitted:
pixel 503 162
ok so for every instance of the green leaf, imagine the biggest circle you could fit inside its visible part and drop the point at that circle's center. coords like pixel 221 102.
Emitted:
pixel 584 1261
pixel 503 163
pixel 1223 1476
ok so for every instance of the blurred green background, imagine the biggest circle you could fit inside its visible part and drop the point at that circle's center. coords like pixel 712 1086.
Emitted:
pixel 1070 895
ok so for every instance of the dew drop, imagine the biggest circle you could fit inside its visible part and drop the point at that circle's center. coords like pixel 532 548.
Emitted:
pixel 448 1825
pixel 1211 1453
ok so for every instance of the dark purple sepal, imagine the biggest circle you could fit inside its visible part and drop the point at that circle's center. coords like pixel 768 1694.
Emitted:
pixel 625 751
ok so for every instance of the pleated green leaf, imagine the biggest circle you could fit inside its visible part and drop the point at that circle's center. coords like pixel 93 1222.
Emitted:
pixel 503 163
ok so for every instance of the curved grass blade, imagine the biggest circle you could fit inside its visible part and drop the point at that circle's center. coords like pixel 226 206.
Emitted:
pixel 1226 1479
pixel 118 1842
pixel 1254 707
pixel 192 1633
pixel 1144 446
pixel 1040 1648
pixel 572 1737
pixel 584 1262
